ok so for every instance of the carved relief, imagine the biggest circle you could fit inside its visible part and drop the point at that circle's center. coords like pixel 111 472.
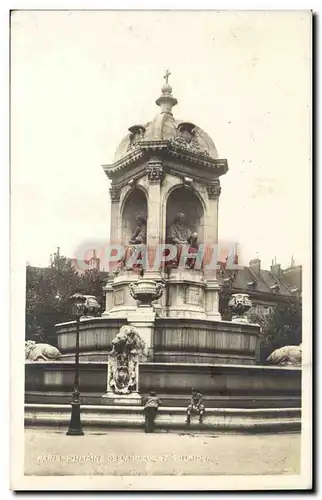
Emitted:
pixel 136 137
pixel 187 139
pixel 214 189
pixel 240 304
pixel 146 291
pixel 123 360
pixel 115 194
pixel 118 297
pixel 193 295
pixel 155 171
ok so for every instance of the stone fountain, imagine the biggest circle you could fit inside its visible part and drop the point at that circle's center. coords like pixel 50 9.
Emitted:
pixel 165 189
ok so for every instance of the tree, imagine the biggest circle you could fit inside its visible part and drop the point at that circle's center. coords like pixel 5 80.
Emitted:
pixel 282 326
pixel 224 298
pixel 92 285
pixel 48 291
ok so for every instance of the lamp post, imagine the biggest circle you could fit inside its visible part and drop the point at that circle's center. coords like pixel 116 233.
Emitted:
pixel 75 427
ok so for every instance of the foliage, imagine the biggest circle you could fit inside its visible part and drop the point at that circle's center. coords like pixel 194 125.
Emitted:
pixel 224 297
pixel 48 291
pixel 91 285
pixel 283 326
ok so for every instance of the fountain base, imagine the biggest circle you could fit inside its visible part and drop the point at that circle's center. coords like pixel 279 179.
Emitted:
pixel 132 399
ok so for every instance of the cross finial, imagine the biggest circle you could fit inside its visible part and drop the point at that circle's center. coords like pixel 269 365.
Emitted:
pixel 166 76
pixel 166 101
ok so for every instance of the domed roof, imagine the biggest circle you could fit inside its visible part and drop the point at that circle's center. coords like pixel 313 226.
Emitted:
pixel 165 127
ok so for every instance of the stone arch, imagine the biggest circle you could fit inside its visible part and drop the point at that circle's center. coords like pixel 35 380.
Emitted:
pixel 134 203
pixel 179 185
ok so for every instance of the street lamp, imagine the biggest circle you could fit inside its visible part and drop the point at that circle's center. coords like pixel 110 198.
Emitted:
pixel 75 427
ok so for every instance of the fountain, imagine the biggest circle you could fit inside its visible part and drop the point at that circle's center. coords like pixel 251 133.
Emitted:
pixel 165 189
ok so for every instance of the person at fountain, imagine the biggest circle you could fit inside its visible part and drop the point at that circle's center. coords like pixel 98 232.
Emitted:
pixel 196 406
pixel 151 405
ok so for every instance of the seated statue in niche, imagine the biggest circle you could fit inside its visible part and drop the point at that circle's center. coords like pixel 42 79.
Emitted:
pixel 180 235
pixel 139 235
pixel 133 252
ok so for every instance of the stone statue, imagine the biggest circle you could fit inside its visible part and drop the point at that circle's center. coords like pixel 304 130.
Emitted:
pixel 133 252
pixel 44 352
pixel 139 235
pixel 179 234
pixel 287 355
pixel 127 348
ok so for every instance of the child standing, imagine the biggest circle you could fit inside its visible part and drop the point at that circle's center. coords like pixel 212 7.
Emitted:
pixel 151 405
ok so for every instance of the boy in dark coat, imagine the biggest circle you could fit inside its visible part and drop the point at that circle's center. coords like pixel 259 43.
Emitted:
pixel 151 405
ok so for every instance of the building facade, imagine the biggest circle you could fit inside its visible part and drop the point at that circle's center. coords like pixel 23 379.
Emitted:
pixel 266 288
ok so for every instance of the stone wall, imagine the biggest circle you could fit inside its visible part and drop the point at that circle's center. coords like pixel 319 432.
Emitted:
pixel 223 385
pixel 176 340
pixel 95 334
pixel 203 341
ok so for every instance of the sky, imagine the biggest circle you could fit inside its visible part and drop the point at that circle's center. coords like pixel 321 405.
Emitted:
pixel 80 79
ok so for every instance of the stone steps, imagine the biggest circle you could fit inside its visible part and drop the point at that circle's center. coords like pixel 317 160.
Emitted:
pixel 173 400
pixel 168 418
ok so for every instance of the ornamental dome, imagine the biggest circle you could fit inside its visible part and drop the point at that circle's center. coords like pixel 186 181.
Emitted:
pixel 165 127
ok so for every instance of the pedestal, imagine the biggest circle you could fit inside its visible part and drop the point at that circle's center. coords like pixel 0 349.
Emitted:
pixel 109 294
pixel 143 319
pixel 122 302
pixel 133 399
pixel 185 297
pixel 212 300
pixel 239 319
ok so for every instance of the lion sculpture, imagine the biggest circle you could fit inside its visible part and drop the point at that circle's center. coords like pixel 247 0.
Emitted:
pixel 128 341
pixel 287 355
pixel 44 352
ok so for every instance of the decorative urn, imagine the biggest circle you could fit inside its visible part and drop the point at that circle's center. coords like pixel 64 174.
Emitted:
pixel 240 305
pixel 146 291
pixel 92 307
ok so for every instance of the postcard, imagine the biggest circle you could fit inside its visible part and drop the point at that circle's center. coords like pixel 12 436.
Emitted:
pixel 161 221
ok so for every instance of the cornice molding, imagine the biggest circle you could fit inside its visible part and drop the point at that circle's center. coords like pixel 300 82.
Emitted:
pixel 218 166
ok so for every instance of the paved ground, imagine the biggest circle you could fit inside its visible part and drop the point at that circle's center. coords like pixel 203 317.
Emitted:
pixel 51 452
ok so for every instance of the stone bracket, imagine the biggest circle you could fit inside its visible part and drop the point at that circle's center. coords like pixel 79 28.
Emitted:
pixel 154 170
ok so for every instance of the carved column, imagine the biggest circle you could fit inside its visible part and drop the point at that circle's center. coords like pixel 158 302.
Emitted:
pixel 155 176
pixel 115 194
pixel 109 297
pixel 211 238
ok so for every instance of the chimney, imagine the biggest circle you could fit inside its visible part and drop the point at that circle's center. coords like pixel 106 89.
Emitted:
pixel 255 266
pixel 293 276
pixel 276 269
